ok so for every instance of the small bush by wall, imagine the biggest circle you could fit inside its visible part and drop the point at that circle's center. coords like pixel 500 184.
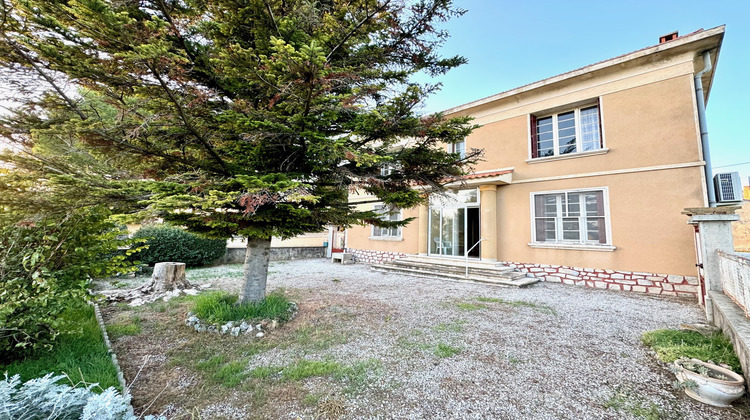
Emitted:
pixel 169 243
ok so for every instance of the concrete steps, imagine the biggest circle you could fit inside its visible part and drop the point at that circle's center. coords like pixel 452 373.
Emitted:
pixel 479 272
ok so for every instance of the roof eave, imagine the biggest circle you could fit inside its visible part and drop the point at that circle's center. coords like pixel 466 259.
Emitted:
pixel 675 44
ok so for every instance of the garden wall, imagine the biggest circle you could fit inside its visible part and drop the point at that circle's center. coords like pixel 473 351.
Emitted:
pixel 374 257
pixel 237 255
pixel 652 283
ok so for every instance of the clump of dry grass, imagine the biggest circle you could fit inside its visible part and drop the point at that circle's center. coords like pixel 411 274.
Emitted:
pixel 330 407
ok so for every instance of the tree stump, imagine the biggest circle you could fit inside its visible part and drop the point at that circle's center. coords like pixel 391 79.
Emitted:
pixel 168 276
pixel 167 281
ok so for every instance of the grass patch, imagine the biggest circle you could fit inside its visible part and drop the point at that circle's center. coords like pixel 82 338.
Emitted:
pixel 670 345
pixel 78 352
pixel 308 368
pixel 624 401
pixel 298 370
pixel 519 303
pixel 443 350
pixel 311 400
pixel 466 306
pixel 492 300
pixel 453 326
pixel 116 331
pixel 228 374
pixel 318 337
pixel 356 377
pixel 221 307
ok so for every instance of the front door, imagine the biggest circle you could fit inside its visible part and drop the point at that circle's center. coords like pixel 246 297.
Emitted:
pixel 454 223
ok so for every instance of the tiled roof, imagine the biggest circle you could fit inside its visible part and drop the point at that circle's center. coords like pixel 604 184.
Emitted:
pixel 486 174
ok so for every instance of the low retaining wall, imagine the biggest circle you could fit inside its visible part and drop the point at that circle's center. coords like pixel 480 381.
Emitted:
pixel 657 284
pixel 374 257
pixel 733 322
pixel 237 255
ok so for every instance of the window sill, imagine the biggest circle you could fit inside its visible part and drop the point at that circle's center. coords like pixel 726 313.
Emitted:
pixel 568 156
pixel 386 238
pixel 575 247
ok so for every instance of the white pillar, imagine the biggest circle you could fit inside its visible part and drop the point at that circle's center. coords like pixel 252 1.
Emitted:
pixel 488 222
pixel 715 235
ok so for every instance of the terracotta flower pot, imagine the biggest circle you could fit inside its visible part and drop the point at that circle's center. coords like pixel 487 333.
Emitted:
pixel 716 385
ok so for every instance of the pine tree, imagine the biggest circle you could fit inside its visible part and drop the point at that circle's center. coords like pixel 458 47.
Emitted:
pixel 245 117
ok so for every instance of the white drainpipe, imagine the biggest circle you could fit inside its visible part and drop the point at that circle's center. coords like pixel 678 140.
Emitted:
pixel 704 128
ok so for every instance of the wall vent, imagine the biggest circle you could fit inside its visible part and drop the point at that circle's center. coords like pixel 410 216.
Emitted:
pixel 728 187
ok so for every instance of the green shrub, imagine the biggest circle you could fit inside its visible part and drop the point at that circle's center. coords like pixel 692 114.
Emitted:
pixel 670 345
pixel 45 267
pixel 221 307
pixel 169 243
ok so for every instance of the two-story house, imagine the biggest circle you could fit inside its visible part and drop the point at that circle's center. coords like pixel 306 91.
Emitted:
pixel 584 176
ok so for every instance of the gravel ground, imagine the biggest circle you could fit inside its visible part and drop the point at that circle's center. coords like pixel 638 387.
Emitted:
pixel 545 352
pixel 549 351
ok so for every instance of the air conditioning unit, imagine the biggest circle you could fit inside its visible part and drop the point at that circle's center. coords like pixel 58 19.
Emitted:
pixel 728 188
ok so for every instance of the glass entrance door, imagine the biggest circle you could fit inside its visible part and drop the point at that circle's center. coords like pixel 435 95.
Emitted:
pixel 453 220
pixel 448 232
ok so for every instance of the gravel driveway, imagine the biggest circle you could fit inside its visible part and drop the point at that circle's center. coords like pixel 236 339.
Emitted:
pixel 452 350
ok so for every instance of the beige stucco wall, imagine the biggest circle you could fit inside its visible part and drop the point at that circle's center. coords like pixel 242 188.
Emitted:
pixel 650 125
pixel 358 237
pixel 651 167
pixel 647 228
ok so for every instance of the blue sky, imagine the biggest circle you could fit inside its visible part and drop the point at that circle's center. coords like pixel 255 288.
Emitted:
pixel 513 43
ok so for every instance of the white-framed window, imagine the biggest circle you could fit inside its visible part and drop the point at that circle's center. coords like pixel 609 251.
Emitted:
pixel 458 147
pixel 573 131
pixel 573 217
pixel 383 232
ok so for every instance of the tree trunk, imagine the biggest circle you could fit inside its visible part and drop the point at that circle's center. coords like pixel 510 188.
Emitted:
pixel 256 269
pixel 168 276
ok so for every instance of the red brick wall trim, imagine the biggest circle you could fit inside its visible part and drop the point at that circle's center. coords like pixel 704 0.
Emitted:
pixel 374 257
pixel 652 283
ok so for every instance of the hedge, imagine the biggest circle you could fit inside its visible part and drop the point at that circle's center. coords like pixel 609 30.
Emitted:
pixel 169 243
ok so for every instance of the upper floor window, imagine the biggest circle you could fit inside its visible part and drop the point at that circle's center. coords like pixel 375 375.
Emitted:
pixel 458 147
pixel 572 131
pixel 383 232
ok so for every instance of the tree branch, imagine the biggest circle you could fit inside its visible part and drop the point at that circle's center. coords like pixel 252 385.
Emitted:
pixel 356 28
pixel 185 120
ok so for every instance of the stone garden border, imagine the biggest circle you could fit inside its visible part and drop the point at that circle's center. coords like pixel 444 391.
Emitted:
pixel 242 326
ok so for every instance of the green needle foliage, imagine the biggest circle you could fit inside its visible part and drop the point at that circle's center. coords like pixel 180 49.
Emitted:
pixel 252 118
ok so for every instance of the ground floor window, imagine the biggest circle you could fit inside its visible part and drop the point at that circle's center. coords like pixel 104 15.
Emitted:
pixel 575 216
pixel 383 232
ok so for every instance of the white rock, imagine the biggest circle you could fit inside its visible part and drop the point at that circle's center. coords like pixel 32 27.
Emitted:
pixel 244 326
pixel 235 331
pixel 260 335
pixel 258 327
